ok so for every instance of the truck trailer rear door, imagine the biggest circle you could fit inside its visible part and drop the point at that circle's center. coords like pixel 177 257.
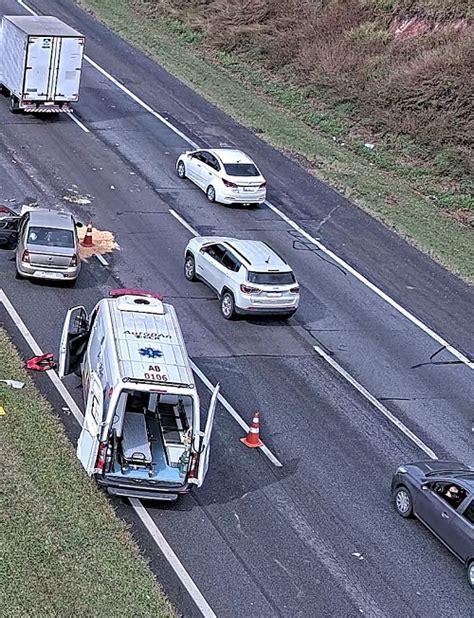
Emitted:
pixel 68 76
pixel 38 67
pixel 203 463
pixel 88 443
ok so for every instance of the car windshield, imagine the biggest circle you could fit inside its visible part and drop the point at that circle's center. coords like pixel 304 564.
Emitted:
pixel 50 237
pixel 241 169
pixel 271 278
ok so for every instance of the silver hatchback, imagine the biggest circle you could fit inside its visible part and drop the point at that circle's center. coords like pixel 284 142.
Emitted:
pixel 48 247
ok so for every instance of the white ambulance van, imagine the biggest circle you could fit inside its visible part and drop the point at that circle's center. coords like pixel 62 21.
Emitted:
pixel 141 435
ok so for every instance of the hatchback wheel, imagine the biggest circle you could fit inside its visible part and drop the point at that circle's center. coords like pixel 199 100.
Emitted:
pixel 181 170
pixel 190 268
pixel 211 193
pixel 227 306
pixel 470 573
pixel 403 502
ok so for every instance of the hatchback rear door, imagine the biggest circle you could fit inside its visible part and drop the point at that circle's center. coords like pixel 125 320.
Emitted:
pixel 203 463
pixel 74 340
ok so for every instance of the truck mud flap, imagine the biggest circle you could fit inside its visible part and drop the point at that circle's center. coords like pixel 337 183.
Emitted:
pixel 45 109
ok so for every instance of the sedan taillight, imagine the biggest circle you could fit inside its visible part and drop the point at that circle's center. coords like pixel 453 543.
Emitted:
pixel 230 184
pixel 295 290
pixel 73 261
pixel 26 256
pixel 248 289
pixel 264 184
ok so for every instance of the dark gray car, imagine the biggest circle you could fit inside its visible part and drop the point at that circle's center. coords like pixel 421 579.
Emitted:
pixel 441 495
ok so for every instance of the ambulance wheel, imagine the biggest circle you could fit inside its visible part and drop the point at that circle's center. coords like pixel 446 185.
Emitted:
pixel 14 105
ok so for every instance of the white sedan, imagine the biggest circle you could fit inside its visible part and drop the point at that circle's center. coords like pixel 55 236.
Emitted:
pixel 227 176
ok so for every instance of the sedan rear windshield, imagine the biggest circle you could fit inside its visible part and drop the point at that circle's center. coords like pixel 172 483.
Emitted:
pixel 271 278
pixel 49 237
pixel 241 169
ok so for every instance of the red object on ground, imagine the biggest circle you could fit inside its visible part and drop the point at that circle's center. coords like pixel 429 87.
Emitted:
pixel 87 242
pixel 41 363
pixel 252 439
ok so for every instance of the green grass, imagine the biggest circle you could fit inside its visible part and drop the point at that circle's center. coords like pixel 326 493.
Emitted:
pixel 413 199
pixel 64 552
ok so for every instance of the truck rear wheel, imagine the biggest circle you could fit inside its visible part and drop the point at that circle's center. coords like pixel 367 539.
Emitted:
pixel 14 106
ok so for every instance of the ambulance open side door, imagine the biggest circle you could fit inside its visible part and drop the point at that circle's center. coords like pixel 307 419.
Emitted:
pixel 203 463
pixel 89 440
pixel 74 340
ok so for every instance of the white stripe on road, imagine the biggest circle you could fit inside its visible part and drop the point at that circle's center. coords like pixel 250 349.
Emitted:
pixel 459 355
pixel 78 122
pixel 381 408
pixel 101 259
pixel 235 415
pixel 187 225
pixel 172 559
pixel 152 528
pixel 52 375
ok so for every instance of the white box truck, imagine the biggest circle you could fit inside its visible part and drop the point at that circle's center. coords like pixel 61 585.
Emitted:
pixel 141 435
pixel 40 63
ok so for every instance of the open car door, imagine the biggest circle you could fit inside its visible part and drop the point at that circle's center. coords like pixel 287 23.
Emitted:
pixel 88 443
pixel 203 463
pixel 73 340
pixel 9 225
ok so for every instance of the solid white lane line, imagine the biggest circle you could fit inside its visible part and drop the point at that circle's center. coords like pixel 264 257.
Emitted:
pixel 152 528
pixel 381 408
pixel 52 375
pixel 101 259
pixel 78 122
pixel 172 559
pixel 459 355
pixel 235 415
pixel 187 225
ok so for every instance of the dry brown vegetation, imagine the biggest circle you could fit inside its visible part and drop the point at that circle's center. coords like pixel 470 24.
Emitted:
pixel 396 66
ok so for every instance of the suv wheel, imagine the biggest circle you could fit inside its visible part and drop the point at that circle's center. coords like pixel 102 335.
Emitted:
pixel 190 268
pixel 227 306
pixel 211 193
pixel 470 573
pixel 403 502
pixel 181 170
pixel 18 275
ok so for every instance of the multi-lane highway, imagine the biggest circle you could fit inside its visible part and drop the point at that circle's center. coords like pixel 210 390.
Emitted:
pixel 318 536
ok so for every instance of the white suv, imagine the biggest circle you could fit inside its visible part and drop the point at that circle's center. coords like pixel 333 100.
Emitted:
pixel 247 275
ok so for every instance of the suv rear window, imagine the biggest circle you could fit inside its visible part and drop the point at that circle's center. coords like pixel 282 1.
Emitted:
pixel 271 278
pixel 241 169
pixel 50 237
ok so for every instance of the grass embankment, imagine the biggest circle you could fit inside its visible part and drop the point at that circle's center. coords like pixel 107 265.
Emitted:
pixel 421 189
pixel 64 552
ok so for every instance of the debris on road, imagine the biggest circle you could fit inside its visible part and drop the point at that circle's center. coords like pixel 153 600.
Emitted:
pixel 358 555
pixel 13 383
pixel 2 411
pixel 104 242
pixel 74 198
pixel 41 363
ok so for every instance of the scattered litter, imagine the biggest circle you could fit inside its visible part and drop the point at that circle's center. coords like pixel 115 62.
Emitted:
pixel 358 555
pixel 369 145
pixel 104 242
pixel 2 411
pixel 73 198
pixel 112 187
pixel 14 383
pixel 66 410
pixel 41 363
pixel 132 173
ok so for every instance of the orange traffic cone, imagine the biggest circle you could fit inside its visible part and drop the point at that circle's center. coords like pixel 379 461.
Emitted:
pixel 252 439
pixel 87 242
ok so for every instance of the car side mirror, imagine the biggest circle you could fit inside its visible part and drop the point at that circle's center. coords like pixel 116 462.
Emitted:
pixel 425 487
pixel 79 224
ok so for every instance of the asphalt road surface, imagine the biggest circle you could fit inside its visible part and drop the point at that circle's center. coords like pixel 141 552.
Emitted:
pixel 318 536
